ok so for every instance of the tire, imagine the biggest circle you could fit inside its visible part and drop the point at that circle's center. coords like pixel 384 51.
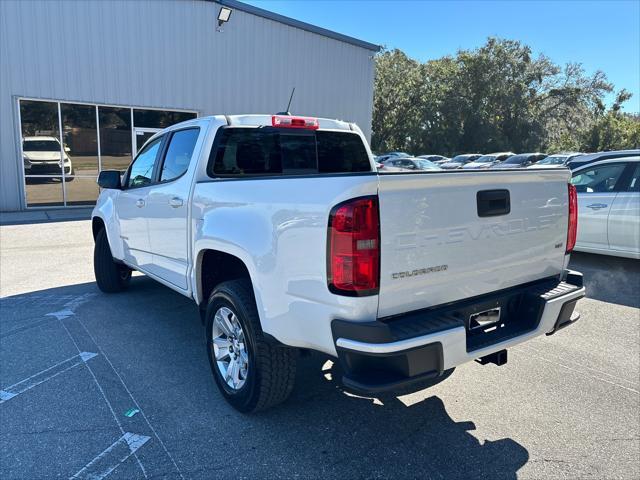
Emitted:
pixel 270 368
pixel 111 277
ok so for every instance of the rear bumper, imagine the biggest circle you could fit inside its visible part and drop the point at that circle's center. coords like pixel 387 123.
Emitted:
pixel 394 353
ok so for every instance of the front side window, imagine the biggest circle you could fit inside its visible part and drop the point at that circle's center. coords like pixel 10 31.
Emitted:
pixel 270 151
pixel 598 179
pixel 179 152
pixel 141 170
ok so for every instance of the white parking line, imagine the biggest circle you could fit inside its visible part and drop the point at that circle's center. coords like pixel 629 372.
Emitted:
pixel 104 396
pixel 104 355
pixel 112 457
pixel 47 374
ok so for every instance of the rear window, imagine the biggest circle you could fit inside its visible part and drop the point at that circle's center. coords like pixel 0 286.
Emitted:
pixel 270 151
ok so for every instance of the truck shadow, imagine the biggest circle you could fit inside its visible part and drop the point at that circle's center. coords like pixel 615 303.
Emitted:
pixel 359 437
pixel 154 338
pixel 609 279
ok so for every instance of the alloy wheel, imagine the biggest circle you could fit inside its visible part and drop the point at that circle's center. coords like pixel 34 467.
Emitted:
pixel 229 348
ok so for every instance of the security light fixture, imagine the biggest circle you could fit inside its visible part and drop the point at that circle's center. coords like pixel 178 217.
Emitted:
pixel 224 15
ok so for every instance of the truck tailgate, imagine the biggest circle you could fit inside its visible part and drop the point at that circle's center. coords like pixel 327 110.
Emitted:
pixel 450 236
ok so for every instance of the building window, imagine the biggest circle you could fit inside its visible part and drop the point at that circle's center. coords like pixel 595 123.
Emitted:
pixel 80 141
pixel 65 145
pixel 159 118
pixel 115 137
pixel 41 153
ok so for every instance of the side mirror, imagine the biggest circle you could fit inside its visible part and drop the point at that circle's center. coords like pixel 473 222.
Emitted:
pixel 110 179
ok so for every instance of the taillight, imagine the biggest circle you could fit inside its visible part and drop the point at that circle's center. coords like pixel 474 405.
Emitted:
pixel 353 247
pixel 572 231
pixel 284 121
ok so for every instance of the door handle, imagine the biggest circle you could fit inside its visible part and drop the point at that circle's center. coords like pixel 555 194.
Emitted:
pixel 140 203
pixel 597 206
pixel 175 202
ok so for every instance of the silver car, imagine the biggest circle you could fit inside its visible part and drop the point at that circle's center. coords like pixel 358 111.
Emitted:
pixel 407 164
pixel 609 207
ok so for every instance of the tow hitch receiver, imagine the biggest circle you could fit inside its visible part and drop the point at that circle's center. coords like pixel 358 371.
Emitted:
pixel 499 358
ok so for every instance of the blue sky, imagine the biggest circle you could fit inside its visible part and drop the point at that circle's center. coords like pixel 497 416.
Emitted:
pixel 602 35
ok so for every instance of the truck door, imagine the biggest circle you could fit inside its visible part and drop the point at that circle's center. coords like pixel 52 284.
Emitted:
pixel 596 186
pixel 624 218
pixel 168 208
pixel 131 205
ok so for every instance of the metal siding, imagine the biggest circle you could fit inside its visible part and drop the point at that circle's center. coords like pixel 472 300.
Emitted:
pixel 169 55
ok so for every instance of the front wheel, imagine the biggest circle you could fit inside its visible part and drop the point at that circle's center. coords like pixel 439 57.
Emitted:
pixel 111 277
pixel 251 373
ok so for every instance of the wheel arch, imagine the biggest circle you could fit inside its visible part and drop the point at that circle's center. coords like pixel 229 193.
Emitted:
pixel 97 224
pixel 214 266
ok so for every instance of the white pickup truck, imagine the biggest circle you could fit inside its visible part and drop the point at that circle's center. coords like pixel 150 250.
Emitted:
pixel 287 238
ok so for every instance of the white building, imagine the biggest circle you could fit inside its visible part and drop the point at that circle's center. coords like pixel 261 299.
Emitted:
pixel 90 81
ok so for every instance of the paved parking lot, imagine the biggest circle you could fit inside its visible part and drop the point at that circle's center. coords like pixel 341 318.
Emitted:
pixel 96 385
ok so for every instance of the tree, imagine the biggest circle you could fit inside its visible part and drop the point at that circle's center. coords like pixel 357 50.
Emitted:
pixel 496 97
pixel 396 113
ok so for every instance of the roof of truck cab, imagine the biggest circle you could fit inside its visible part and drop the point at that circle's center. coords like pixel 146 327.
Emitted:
pixel 261 120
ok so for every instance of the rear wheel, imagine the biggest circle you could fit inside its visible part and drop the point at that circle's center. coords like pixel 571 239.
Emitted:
pixel 110 276
pixel 251 373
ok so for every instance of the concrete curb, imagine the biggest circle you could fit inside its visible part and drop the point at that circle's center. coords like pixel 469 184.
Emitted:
pixel 45 216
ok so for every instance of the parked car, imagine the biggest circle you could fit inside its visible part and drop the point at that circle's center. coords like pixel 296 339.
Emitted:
pixel 41 156
pixel 488 160
pixel 556 160
pixel 522 160
pixel 594 157
pixel 609 207
pixel 459 160
pixel 386 156
pixel 437 159
pixel 408 164
pixel 281 252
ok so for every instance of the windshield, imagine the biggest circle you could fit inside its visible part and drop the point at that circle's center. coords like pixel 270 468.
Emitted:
pixel 553 160
pixel 486 159
pixel 41 146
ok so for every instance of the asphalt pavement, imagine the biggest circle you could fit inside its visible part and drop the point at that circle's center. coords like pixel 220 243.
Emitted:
pixel 97 385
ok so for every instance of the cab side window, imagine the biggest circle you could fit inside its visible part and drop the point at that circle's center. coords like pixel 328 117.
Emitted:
pixel 598 179
pixel 179 152
pixel 141 170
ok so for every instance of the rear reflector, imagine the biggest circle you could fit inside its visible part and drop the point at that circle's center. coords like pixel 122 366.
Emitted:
pixel 572 232
pixel 353 247
pixel 284 121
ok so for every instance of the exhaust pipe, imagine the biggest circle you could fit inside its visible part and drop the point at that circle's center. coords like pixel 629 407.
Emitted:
pixel 498 358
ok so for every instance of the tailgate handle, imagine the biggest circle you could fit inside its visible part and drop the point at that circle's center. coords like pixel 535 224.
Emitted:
pixel 492 203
